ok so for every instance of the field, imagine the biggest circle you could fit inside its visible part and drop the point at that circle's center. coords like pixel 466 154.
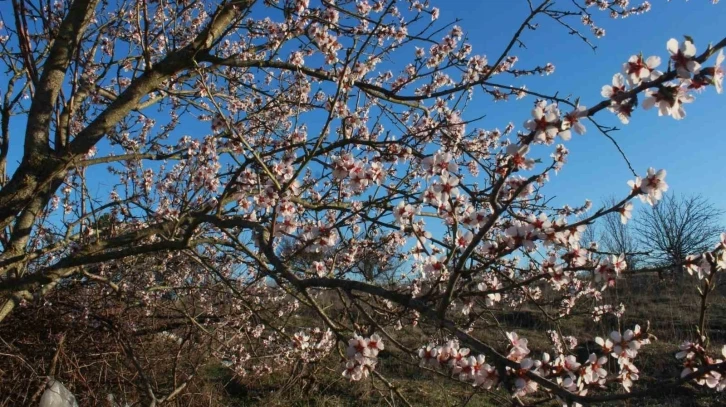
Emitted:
pixel 96 368
pixel 670 306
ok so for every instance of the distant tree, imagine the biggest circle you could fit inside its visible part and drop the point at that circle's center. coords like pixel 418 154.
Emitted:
pixel 676 227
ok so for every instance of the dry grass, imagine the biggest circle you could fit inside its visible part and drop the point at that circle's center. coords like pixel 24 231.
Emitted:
pixel 670 306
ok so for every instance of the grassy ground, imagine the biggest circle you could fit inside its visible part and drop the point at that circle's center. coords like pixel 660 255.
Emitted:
pixel 671 307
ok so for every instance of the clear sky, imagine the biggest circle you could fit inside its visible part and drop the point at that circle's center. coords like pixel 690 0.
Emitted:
pixel 691 150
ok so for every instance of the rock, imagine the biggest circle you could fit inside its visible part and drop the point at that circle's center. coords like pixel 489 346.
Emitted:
pixel 56 395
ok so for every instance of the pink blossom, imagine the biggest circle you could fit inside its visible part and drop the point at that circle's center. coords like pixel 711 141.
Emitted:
pixel 654 185
pixel 518 158
pixel 683 57
pixel 545 122
pixel 428 355
pixel 638 70
pixel 626 212
pixel 669 99
pixel 487 377
pixel 518 345
pixel 616 89
pixel 573 121
pixel 717 74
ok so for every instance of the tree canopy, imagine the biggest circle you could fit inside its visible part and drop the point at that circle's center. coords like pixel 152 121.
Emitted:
pixel 261 158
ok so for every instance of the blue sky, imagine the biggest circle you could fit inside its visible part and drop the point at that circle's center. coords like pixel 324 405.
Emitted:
pixel 690 149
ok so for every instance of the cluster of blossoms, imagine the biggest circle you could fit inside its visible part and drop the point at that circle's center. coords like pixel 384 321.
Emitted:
pixel 574 376
pixel 616 9
pixel 519 352
pixel 547 122
pixel 253 348
pixel 312 344
pixel 695 358
pixel 439 51
pixel 601 310
pixel 324 39
pixel 649 190
pixel 491 284
pixel 624 347
pixel 693 354
pixel 362 354
pixel 463 365
pixel 560 342
pixel 320 236
pixel 703 265
pixel 358 173
pixel 564 370
pixel 667 96
pixel 609 269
